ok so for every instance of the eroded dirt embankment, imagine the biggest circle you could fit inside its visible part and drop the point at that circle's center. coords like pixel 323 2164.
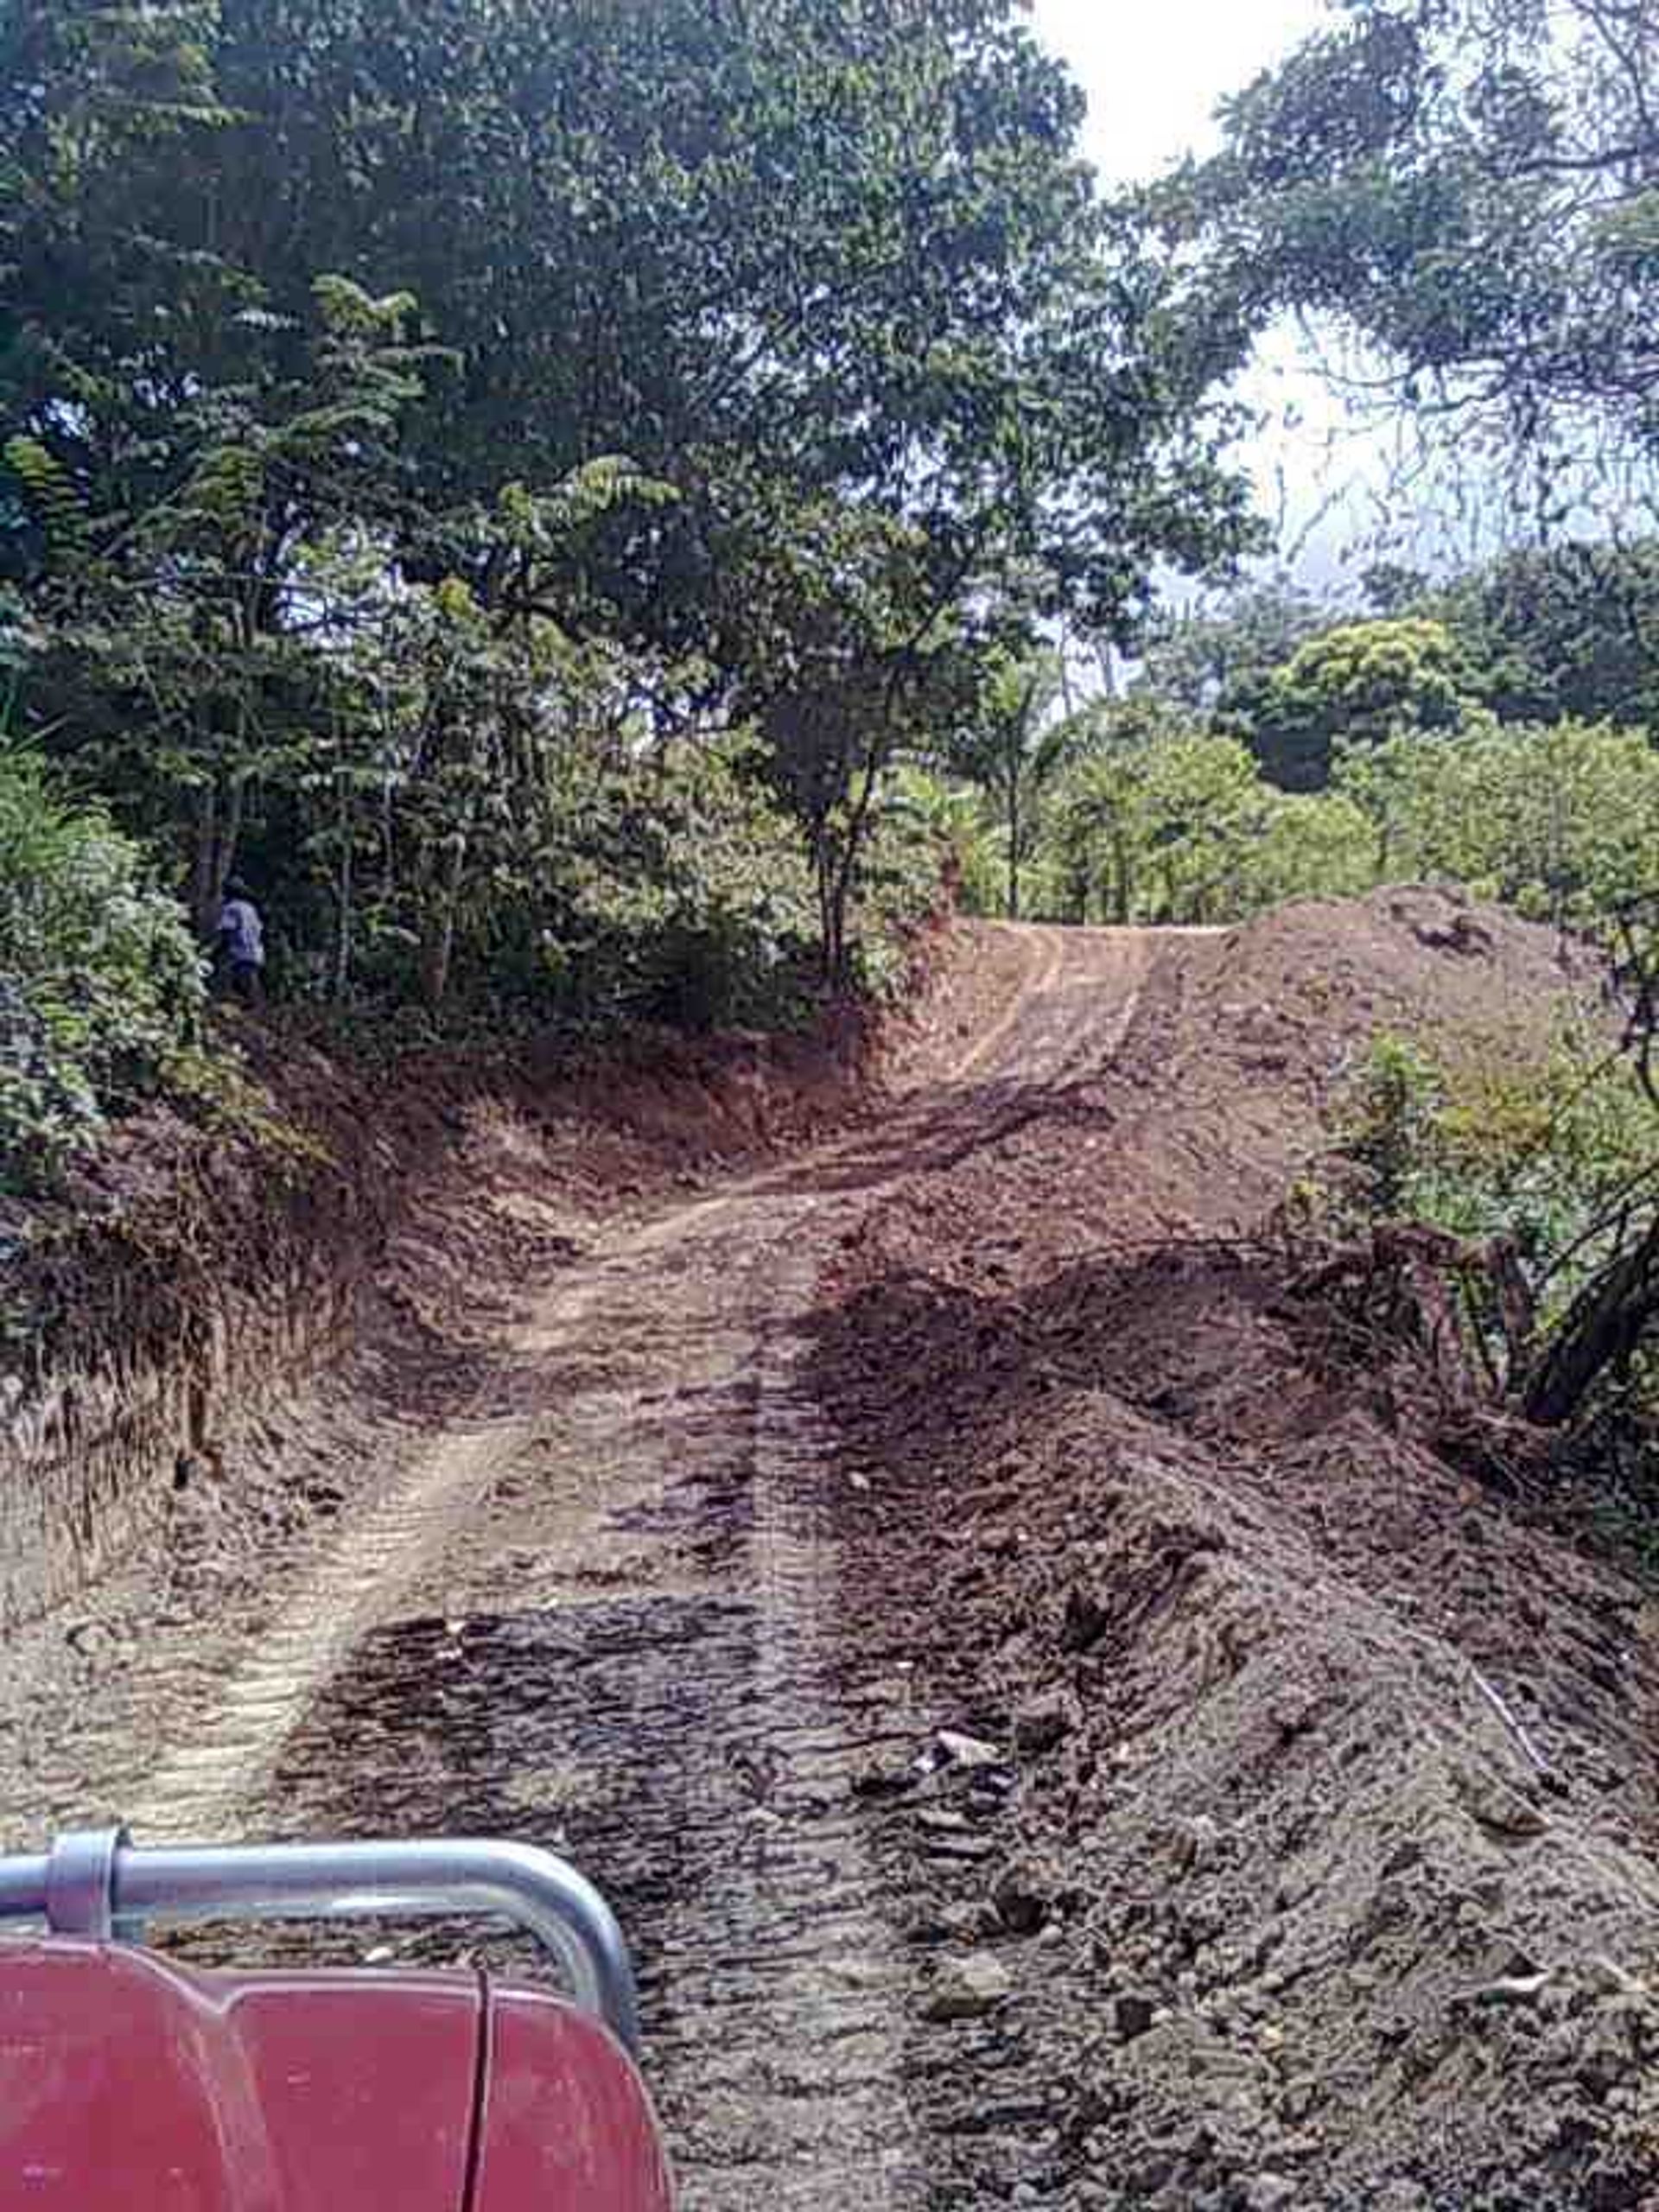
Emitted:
pixel 194 1279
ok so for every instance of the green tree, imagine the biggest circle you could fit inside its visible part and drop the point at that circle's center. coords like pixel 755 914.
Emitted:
pixel 1569 632
pixel 100 987
pixel 1306 845
pixel 1156 828
pixel 1471 186
pixel 1010 747
pixel 1357 683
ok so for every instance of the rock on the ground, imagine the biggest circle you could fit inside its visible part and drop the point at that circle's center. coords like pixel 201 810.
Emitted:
pixel 1019 1899
pixel 1268 2192
pixel 969 1751
pixel 1041 1724
pixel 968 1987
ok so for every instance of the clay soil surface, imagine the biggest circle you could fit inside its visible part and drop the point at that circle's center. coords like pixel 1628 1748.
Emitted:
pixel 1058 1727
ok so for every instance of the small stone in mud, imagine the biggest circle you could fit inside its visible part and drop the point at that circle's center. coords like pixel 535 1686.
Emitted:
pixel 969 1751
pixel 968 1987
pixel 1499 1808
pixel 959 1847
pixel 1085 1620
pixel 1268 2192
pixel 1020 1905
pixel 1133 2014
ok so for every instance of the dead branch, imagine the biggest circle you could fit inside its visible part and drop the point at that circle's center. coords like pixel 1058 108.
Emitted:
pixel 1601 1331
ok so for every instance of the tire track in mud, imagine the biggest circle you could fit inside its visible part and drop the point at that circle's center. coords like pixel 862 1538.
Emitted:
pixel 606 1613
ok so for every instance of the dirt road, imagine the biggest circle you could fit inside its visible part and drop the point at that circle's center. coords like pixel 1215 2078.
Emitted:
pixel 605 1608
pixel 1315 1865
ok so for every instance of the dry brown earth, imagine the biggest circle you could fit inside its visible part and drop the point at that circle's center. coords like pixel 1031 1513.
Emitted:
pixel 1290 1842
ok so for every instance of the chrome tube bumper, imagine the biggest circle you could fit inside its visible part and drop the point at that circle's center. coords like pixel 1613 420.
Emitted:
pixel 96 1884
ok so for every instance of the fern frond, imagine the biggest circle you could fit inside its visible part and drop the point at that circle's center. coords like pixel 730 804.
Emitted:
pixel 52 493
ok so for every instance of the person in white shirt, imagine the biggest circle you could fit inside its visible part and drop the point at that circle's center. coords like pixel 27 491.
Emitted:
pixel 242 942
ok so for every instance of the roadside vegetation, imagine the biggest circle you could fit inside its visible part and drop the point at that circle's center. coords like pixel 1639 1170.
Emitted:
pixel 1493 732
pixel 101 995
pixel 1497 1221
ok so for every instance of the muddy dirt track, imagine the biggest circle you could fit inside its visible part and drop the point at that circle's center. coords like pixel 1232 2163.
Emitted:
pixel 1291 1750
pixel 602 1607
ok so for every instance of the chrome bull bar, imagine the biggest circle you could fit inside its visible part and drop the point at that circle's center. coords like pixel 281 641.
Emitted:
pixel 94 1883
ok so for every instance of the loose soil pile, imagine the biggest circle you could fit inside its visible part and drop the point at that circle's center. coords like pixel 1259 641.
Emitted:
pixel 1319 1851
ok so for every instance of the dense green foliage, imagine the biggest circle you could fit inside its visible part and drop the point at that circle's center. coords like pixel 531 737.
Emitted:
pixel 101 986
pixel 1562 822
pixel 436 433
pixel 1569 632
pixel 1357 683
pixel 1155 810
pixel 1210 656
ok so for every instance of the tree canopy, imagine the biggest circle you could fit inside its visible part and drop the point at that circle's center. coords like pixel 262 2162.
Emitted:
pixel 1471 188
pixel 406 403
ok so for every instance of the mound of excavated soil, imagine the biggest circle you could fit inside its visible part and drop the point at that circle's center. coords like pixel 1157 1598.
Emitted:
pixel 1327 1871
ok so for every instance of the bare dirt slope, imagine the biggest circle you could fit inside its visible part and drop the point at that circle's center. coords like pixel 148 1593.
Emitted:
pixel 1305 1855
pixel 1328 1872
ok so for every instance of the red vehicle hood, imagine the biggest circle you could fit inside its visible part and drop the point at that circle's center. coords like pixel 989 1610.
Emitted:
pixel 128 2084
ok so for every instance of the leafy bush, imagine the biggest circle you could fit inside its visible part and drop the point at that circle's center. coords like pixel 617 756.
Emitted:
pixel 101 984
pixel 909 856
pixel 1537 1154
pixel 1389 1130
pixel 1562 822
pixel 1552 1166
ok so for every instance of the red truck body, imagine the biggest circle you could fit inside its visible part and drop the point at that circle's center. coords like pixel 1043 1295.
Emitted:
pixel 130 2083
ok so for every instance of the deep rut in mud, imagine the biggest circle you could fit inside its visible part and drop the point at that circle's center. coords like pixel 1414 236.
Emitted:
pixel 609 1608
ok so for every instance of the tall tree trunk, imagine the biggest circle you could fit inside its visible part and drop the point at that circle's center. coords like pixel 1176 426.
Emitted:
pixel 230 834
pixel 345 893
pixel 1122 893
pixel 1014 831
pixel 204 891
pixel 438 924
pixel 843 866
pixel 832 913
pixel 217 834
